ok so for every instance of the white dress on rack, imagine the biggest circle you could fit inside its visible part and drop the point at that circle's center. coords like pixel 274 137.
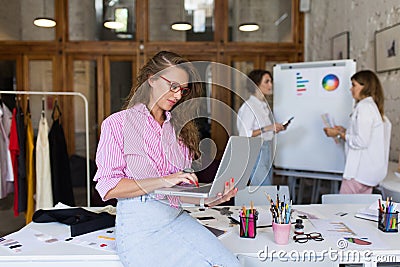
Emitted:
pixel 6 170
pixel 44 193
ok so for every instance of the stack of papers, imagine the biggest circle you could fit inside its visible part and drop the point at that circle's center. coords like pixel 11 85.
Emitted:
pixel 371 213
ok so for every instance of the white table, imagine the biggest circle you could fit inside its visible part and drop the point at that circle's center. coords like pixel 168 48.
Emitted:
pixel 247 250
pixel 66 254
pixel 59 253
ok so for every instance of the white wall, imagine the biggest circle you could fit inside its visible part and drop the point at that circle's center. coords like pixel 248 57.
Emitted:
pixel 361 18
pixel 9 21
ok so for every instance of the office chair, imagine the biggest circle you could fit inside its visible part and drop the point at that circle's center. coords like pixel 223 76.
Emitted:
pixel 350 198
pixel 258 196
pixel 394 194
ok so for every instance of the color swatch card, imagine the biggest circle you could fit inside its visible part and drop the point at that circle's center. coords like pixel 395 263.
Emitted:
pixel 27 240
pixel 102 239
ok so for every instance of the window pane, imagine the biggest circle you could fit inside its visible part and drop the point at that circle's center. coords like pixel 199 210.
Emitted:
pixel 40 79
pixel 16 20
pixel 273 17
pixel 8 81
pixel 86 19
pixel 85 83
pixel 199 13
pixel 121 83
pixel 239 86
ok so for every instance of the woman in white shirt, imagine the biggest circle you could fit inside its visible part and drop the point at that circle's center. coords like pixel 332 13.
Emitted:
pixel 367 139
pixel 255 119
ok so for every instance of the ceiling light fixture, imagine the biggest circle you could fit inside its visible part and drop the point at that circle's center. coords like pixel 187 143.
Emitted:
pixel 112 24
pixel 249 27
pixel 181 26
pixel 45 21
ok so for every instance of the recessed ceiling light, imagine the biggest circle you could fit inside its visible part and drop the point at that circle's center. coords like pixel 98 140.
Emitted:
pixel 44 22
pixel 181 26
pixel 248 27
pixel 111 24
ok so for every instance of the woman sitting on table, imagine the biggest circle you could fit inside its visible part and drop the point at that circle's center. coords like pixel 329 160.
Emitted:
pixel 145 147
pixel 368 137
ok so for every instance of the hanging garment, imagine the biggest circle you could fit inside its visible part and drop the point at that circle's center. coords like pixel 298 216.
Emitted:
pixel 59 164
pixel 7 117
pixel 44 194
pixel 6 174
pixel 30 169
pixel 14 151
pixel 21 129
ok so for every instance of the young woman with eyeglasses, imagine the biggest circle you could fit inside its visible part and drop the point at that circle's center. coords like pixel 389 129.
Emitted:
pixel 147 146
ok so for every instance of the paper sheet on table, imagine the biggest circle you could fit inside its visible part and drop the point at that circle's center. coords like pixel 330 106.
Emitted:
pixel 27 240
pixel 337 230
pixel 102 239
pixel 371 212
pixel 301 213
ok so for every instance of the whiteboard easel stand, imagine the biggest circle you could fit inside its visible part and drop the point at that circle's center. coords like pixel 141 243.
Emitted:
pixel 293 175
pixel 86 125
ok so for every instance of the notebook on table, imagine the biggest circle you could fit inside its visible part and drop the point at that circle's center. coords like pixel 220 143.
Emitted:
pixel 237 162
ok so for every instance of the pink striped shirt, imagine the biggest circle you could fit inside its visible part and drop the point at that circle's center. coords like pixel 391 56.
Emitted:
pixel 133 145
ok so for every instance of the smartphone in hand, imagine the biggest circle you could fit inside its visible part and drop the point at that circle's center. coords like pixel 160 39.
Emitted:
pixel 286 123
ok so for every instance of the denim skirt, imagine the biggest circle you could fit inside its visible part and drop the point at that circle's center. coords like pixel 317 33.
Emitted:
pixel 150 232
pixel 262 171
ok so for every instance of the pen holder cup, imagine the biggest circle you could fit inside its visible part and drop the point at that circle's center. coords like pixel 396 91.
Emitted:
pixel 281 233
pixel 248 226
pixel 387 221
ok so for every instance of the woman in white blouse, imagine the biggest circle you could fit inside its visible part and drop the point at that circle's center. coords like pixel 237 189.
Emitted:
pixel 367 139
pixel 255 119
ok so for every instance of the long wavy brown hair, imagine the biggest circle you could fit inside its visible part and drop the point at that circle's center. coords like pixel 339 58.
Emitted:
pixel 185 128
pixel 372 87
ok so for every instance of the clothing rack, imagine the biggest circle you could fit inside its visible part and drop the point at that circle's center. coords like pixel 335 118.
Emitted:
pixel 86 125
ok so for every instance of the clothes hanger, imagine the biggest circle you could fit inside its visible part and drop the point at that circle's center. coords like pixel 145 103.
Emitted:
pixel 18 101
pixel 43 110
pixel 56 114
pixel 28 109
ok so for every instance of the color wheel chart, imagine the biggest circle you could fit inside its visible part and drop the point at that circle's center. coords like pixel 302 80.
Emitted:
pixel 330 82
pixel 300 84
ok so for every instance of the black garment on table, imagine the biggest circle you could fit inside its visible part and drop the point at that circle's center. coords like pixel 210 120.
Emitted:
pixel 59 163
pixel 81 221
pixel 21 132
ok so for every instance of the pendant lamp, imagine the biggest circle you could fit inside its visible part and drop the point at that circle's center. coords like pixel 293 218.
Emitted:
pixel 182 25
pixel 44 22
pixel 249 27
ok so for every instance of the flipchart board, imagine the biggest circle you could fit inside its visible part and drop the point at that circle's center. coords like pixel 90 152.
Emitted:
pixel 314 93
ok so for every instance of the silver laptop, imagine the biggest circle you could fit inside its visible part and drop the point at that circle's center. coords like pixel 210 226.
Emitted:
pixel 237 162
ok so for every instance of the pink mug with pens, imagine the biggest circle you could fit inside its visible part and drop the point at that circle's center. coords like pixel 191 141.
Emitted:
pixel 281 233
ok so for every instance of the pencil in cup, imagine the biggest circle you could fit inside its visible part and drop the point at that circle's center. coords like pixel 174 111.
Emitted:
pixel 281 211
pixel 248 223
pixel 388 221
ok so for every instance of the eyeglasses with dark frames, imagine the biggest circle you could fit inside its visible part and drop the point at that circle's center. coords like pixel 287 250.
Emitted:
pixel 303 238
pixel 176 87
